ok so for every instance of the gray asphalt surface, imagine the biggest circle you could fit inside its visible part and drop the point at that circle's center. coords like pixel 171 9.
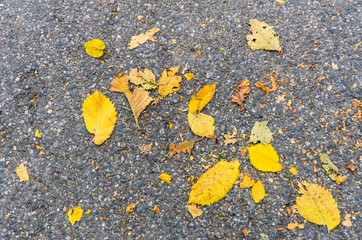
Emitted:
pixel 46 74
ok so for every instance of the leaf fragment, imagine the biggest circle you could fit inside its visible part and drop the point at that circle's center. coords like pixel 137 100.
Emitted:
pixel 264 158
pixel 169 82
pixel 195 212
pixel 100 116
pixel 145 148
pixel 262 36
pixel 260 132
pixel 165 178
pixel 142 38
pixel 347 220
pixel 215 183
pixel 241 93
pixel 280 1
pixel 185 147
pixel 130 208
pixel 203 97
pixel 331 169
pixel 95 48
pixel 189 76
pixel 294 225
pixel 230 137
pixel 247 181
pixel 37 134
pixel 293 170
pixel 146 78
pixel 258 192
pixel 273 82
pixel 201 124
pixel 75 214
pixel 22 173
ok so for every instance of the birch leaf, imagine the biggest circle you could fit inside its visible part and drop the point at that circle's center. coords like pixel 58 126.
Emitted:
pixel 95 48
pixel 203 97
pixel 100 116
pixel 264 158
pixel 317 205
pixel 215 183
pixel 75 214
pixel 263 36
pixel 201 124
pixel 142 38
pixel 258 192
pixel 146 78
pixel 260 132
pixel 195 212
pixel 169 82
pixel 22 173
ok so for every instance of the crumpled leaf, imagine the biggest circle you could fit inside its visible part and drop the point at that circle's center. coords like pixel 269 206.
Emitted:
pixel 215 183
pixel 203 97
pixel 100 116
pixel 230 137
pixel 273 82
pixel 75 214
pixel 169 82
pixel 130 208
pixel 95 48
pixel 142 38
pixel 145 148
pixel 195 212
pixel 247 181
pixel 260 132
pixel 165 178
pixel 201 124
pixel 185 147
pixel 37 134
pixel 264 158
pixel 318 206
pixel 331 169
pixel 146 78
pixel 258 192
pixel 241 93
pixel 263 36
pixel 22 173
pixel 138 100
pixel 294 225
pixel 189 76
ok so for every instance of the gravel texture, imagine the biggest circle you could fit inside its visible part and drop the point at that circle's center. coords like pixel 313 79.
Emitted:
pixel 46 75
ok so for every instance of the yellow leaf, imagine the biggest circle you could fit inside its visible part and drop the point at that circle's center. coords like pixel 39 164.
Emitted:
pixel 258 192
pixel 215 183
pixel 280 1
pixel 260 132
pixel 22 173
pixel 169 82
pixel 37 134
pixel 142 38
pixel 263 36
pixel 100 116
pixel 95 48
pixel 138 100
pixel 202 124
pixel 75 214
pixel 165 178
pixel 293 171
pixel 247 181
pixel 264 158
pixel 146 78
pixel 88 211
pixel 189 76
pixel 130 208
pixel 203 97
pixel 318 206
pixel 185 147
pixel 195 212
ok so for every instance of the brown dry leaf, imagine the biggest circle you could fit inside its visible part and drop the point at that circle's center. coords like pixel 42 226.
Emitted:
pixel 263 36
pixel 203 97
pixel 169 82
pixel 130 208
pixel 230 137
pixel 273 82
pixel 347 220
pixel 146 78
pixel 185 147
pixel 142 38
pixel 22 173
pixel 138 100
pixel 294 225
pixel 247 181
pixel 241 93
pixel 195 212
pixel 145 148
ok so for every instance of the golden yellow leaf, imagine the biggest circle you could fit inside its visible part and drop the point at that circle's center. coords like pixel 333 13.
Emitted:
pixel 185 147
pixel 142 38
pixel 100 116
pixel 230 137
pixel 75 214
pixel 203 97
pixel 294 225
pixel 95 48
pixel 195 212
pixel 293 171
pixel 165 178
pixel 138 100
pixel 88 211
pixel 280 1
pixel 264 158
pixel 22 173
pixel 130 208
pixel 260 132
pixel 258 192
pixel 169 82
pixel 318 206
pixel 247 181
pixel 201 124
pixel 189 76
pixel 263 36
pixel 37 134
pixel 215 183
pixel 146 78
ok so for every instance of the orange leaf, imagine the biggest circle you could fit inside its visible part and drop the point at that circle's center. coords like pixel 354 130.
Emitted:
pixel 185 147
pixel 130 208
pixel 169 82
pixel 273 82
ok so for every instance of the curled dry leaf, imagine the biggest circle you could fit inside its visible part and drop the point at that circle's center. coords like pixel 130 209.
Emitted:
pixel 260 132
pixel 262 36
pixel 230 137
pixel 142 38
pixel 316 204
pixel 203 97
pixel 264 158
pixel 95 48
pixel 75 214
pixel 185 147
pixel 201 124
pixel 130 208
pixel 273 82
pixel 169 82
pixel 215 183
pixel 195 212
pixel 138 100
pixel 165 178
pixel 258 192
pixel 22 173
pixel 241 93
pixel 146 78
pixel 100 116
